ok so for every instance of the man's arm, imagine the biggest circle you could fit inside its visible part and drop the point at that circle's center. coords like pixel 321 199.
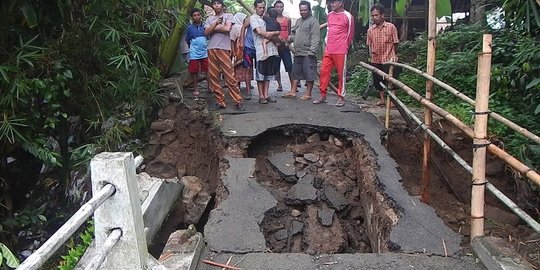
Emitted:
pixel 315 38
pixel 289 25
pixel 210 28
pixel 188 36
pixel 245 25
pixel 350 38
pixel 224 27
pixel 265 34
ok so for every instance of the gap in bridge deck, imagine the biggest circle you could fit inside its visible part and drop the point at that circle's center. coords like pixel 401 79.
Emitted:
pixel 314 175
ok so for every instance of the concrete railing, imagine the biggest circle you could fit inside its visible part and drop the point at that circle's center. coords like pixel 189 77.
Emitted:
pixel 119 227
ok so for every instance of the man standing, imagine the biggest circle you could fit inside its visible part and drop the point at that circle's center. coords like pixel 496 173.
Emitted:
pixel 382 40
pixel 198 54
pixel 339 38
pixel 217 28
pixel 283 49
pixel 305 35
pixel 265 61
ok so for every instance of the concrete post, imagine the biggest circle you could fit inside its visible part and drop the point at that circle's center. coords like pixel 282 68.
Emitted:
pixel 122 210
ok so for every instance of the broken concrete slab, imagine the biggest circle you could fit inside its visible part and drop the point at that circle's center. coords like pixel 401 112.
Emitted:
pixel 296 227
pixel 284 163
pixel 496 253
pixel 281 234
pixel 233 226
pixel 301 193
pixel 417 229
pixel 335 199
pixel 326 216
pixel 182 251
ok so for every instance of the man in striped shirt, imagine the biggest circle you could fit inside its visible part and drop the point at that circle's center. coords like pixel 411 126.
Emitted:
pixel 382 40
pixel 339 38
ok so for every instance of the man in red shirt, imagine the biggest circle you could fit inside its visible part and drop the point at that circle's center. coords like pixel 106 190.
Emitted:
pixel 283 50
pixel 338 39
pixel 382 40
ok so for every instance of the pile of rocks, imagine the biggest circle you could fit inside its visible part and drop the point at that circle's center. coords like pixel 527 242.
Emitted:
pixel 322 180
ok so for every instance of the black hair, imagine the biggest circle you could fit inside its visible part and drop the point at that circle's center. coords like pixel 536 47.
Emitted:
pixel 258 2
pixel 218 1
pixel 305 3
pixel 272 12
pixel 278 2
pixel 194 10
pixel 377 7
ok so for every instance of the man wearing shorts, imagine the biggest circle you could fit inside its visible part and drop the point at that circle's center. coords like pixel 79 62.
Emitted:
pixel 382 40
pixel 217 28
pixel 259 35
pixel 283 49
pixel 248 47
pixel 305 35
pixel 198 52
pixel 339 38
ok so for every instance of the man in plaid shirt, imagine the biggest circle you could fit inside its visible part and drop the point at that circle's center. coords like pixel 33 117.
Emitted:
pixel 382 40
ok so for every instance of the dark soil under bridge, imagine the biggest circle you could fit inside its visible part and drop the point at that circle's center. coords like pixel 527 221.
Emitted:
pixel 196 147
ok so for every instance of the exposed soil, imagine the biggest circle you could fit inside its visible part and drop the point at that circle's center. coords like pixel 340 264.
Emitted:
pixel 196 149
pixel 450 186
pixel 295 225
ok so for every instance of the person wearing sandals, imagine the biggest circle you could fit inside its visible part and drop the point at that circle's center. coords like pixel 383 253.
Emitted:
pixel 305 34
pixel 240 71
pixel 266 62
pixel 283 49
pixel 198 52
pixel 247 45
pixel 339 38
pixel 382 41
pixel 217 28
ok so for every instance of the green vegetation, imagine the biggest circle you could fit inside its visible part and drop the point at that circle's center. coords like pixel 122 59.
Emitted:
pixel 515 81
pixel 77 249
pixel 76 77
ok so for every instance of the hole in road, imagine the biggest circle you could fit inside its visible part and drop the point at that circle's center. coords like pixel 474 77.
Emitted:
pixel 315 175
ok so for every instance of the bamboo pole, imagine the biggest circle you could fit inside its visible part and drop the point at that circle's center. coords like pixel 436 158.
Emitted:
pixel 428 117
pixel 47 250
pixel 480 140
pixel 465 98
pixel 388 103
pixel 523 169
pixel 491 188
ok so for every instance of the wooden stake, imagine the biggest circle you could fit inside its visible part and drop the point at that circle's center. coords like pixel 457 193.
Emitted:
pixel 228 261
pixel 480 141
pixel 428 118
pixel 388 102
pixel 221 265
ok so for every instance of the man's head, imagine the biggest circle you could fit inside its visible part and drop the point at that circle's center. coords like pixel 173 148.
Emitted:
pixel 217 5
pixel 272 12
pixel 305 9
pixel 377 14
pixel 279 6
pixel 260 7
pixel 196 16
pixel 336 5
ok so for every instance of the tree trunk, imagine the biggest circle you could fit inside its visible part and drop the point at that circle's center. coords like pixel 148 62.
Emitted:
pixel 168 51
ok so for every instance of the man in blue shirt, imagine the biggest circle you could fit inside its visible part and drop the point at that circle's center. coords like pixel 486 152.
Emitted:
pixel 198 49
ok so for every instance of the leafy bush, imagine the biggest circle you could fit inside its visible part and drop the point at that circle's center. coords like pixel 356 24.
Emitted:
pixel 77 249
pixel 515 80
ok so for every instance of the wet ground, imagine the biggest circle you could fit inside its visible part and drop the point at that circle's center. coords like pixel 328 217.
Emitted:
pixel 317 163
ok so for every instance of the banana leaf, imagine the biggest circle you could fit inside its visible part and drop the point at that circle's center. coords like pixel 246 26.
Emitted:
pixel 168 50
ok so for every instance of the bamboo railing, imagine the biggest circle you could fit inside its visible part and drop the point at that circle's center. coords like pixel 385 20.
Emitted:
pixel 517 165
pixel 496 192
pixel 465 98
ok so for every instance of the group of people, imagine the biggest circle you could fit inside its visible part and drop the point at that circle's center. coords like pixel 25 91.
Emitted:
pixel 240 46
